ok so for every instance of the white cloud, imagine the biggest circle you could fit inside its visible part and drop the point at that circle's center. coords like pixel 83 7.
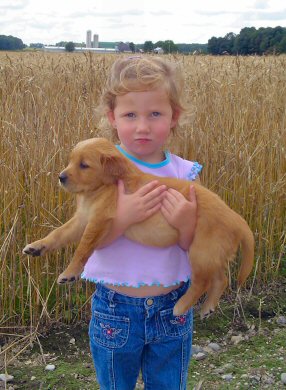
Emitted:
pixel 261 4
pixel 13 4
pixel 132 20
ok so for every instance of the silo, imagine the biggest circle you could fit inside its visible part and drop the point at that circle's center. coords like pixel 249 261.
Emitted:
pixel 95 40
pixel 88 39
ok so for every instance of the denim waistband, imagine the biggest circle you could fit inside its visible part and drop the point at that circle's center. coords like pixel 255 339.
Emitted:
pixel 107 294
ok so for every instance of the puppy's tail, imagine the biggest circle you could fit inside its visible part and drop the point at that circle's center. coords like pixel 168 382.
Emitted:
pixel 247 248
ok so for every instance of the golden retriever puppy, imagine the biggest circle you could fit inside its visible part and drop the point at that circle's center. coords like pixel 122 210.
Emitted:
pixel 92 174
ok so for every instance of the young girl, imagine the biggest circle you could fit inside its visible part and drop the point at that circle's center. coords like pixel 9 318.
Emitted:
pixel 132 326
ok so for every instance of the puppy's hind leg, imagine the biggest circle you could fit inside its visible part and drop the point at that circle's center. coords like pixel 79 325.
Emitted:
pixel 201 276
pixel 190 298
pixel 218 284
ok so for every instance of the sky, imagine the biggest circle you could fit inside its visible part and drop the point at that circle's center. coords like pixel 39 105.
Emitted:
pixel 183 21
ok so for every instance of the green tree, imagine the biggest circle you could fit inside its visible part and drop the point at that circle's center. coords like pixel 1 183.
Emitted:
pixel 159 44
pixel 8 42
pixel 36 45
pixel 70 47
pixel 132 47
pixel 250 41
pixel 213 46
pixel 61 44
pixel 148 46
pixel 169 47
pixel 77 44
pixel 282 45
pixel 191 47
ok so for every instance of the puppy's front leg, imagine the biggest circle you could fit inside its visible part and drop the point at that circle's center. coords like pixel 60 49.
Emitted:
pixel 93 236
pixel 70 232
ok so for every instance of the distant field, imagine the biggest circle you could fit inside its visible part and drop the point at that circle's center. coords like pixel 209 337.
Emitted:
pixel 48 102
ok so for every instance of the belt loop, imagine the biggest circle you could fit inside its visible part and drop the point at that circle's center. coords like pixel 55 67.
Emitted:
pixel 110 298
pixel 174 295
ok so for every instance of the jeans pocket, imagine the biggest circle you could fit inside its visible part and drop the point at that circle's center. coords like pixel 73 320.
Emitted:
pixel 176 326
pixel 109 331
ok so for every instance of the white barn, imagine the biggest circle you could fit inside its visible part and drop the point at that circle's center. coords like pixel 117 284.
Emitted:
pixel 59 49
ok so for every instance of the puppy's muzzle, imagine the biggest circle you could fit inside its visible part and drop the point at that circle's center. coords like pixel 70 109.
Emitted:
pixel 63 178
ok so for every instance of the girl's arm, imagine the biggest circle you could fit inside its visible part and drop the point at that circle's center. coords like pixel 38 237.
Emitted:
pixel 181 214
pixel 134 208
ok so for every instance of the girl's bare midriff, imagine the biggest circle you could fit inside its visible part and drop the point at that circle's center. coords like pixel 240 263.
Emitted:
pixel 144 291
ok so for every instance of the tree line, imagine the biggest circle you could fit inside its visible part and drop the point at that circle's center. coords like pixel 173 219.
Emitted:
pixel 170 47
pixel 250 41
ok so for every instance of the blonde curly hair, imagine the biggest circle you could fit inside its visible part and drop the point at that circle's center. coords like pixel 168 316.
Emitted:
pixel 138 74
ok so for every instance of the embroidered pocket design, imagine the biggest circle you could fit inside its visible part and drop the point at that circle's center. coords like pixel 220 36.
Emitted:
pixel 176 326
pixel 180 320
pixel 108 331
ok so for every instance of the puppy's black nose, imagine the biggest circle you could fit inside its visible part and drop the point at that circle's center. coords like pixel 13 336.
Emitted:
pixel 63 178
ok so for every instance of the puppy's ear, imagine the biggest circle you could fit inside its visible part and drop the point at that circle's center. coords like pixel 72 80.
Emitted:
pixel 114 168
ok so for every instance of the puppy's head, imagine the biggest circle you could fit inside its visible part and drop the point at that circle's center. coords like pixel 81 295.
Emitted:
pixel 93 163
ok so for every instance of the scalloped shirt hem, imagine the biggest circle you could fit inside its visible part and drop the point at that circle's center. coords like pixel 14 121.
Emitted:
pixel 138 285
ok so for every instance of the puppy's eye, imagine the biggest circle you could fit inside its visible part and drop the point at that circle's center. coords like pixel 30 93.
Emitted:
pixel 83 165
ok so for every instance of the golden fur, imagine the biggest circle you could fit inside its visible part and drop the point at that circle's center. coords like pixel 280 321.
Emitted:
pixel 93 171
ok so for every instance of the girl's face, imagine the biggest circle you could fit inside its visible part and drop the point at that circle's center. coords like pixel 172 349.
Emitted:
pixel 143 121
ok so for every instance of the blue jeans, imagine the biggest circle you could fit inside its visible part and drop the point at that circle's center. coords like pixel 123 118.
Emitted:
pixel 128 334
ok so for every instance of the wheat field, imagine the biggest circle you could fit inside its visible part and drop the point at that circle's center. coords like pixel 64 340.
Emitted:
pixel 48 103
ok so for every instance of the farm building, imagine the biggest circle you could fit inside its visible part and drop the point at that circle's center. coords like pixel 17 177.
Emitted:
pixel 158 50
pixel 79 49
pixel 97 49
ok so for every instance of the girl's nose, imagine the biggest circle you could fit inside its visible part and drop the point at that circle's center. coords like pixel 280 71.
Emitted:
pixel 143 125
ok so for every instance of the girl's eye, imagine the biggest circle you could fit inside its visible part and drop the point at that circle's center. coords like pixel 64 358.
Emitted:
pixel 130 115
pixel 83 165
pixel 156 113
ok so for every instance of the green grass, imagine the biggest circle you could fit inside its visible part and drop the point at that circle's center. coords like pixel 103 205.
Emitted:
pixel 260 355
pixel 249 362
pixel 72 375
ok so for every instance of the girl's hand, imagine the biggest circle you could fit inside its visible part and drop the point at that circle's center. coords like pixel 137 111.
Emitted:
pixel 181 214
pixel 136 207
pixel 133 208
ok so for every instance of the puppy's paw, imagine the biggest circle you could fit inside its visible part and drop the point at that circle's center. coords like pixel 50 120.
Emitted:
pixel 208 308
pixel 204 314
pixel 63 279
pixel 37 248
pixel 180 308
pixel 70 275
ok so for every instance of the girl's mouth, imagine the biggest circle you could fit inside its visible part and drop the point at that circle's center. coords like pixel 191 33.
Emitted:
pixel 142 140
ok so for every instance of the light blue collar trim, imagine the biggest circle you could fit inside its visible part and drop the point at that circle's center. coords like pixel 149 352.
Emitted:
pixel 146 164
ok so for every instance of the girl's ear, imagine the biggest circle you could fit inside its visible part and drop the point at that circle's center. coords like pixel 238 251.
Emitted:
pixel 175 117
pixel 111 118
